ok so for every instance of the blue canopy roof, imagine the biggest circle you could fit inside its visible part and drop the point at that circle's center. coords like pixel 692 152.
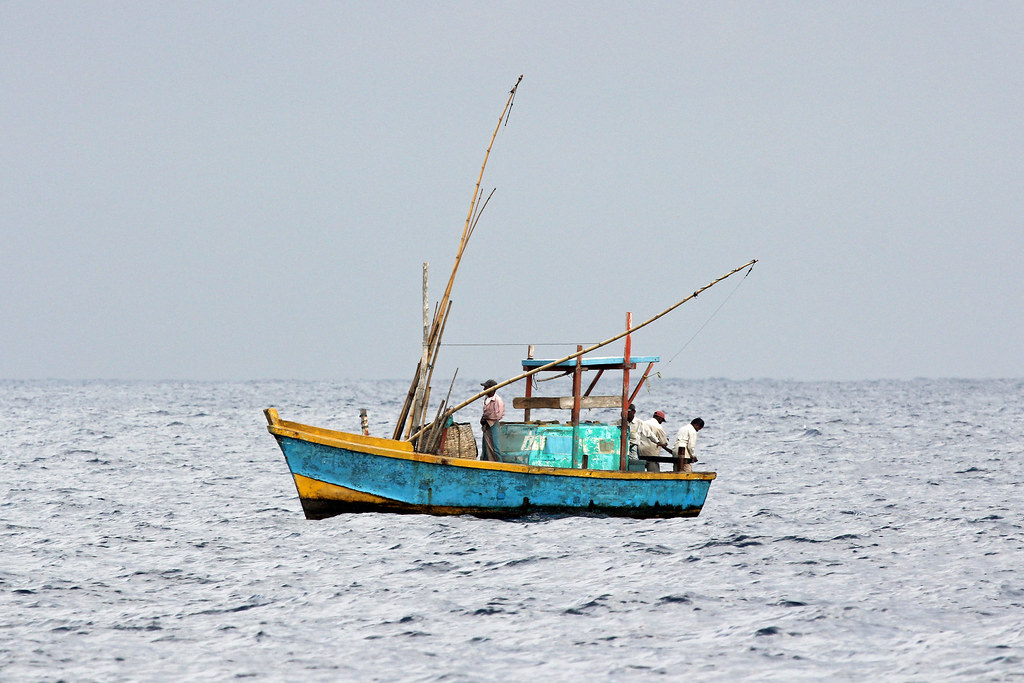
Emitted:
pixel 607 363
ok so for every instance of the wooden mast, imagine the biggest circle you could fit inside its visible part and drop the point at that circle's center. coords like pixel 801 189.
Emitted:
pixel 440 313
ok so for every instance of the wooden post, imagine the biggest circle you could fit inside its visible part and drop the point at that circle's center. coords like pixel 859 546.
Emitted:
pixel 624 435
pixel 419 402
pixel 577 382
pixel 647 372
pixel 529 385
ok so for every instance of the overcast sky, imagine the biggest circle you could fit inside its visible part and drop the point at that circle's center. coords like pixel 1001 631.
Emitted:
pixel 236 190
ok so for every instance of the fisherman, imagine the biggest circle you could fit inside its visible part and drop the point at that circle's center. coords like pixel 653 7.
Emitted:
pixel 652 439
pixel 686 445
pixel 636 428
pixel 494 411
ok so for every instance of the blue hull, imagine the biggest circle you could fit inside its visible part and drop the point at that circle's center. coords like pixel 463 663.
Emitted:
pixel 336 472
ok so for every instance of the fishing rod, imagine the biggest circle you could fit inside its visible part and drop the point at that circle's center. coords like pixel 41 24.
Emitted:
pixel 476 397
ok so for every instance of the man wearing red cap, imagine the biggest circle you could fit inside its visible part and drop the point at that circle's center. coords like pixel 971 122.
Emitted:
pixel 655 439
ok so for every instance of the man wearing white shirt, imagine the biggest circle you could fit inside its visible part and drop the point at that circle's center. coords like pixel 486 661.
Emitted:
pixel 654 440
pixel 686 445
pixel 641 436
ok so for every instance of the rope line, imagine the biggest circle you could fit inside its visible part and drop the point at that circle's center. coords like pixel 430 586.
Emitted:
pixel 710 318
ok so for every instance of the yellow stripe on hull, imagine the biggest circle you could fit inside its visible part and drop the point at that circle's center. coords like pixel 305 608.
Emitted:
pixel 320 499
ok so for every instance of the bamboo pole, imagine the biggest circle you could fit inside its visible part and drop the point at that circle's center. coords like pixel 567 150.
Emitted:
pixel 476 397
pixel 435 347
pixel 467 230
pixel 406 406
pixel 416 416
pixel 437 428
pixel 476 196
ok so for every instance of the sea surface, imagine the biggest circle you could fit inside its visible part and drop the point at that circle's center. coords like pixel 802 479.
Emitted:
pixel 856 531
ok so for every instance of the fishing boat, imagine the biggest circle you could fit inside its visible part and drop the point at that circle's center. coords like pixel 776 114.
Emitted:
pixel 431 465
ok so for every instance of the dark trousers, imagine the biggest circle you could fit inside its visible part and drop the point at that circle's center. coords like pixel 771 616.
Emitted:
pixel 490 452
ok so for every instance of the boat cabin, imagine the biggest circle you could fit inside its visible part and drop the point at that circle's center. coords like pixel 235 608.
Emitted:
pixel 572 444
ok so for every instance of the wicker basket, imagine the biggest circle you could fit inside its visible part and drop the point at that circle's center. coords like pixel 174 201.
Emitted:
pixel 458 441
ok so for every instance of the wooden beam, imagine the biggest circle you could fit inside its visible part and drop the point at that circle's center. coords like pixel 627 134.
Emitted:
pixel 565 402
pixel 658 458
pixel 594 383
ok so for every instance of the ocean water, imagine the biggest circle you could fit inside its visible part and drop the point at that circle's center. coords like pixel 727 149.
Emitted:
pixel 856 531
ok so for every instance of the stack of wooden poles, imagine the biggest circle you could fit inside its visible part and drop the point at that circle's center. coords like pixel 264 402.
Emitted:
pixel 412 419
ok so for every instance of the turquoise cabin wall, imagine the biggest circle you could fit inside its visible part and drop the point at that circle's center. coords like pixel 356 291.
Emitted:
pixel 549 444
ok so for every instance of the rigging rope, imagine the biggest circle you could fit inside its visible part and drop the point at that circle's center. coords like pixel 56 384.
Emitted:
pixel 710 318
pixel 657 375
